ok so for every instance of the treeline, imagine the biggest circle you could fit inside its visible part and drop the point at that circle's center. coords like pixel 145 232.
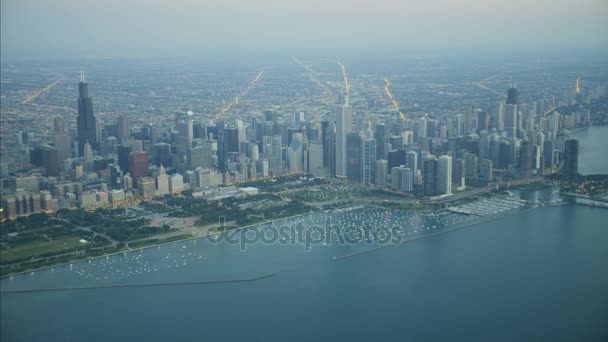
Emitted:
pixel 130 230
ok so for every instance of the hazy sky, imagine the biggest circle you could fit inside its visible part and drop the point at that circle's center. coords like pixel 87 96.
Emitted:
pixel 106 28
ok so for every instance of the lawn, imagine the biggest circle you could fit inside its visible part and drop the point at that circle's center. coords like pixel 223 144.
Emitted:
pixel 39 248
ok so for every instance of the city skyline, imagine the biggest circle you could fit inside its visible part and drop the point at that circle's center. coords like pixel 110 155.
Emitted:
pixel 309 171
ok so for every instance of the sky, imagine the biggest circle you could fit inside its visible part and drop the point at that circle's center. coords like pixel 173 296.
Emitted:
pixel 165 28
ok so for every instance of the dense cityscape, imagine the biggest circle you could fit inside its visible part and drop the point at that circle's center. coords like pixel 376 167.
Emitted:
pixel 331 134
pixel 278 170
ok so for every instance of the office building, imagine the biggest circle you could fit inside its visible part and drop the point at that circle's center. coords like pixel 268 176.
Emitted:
pixel 138 165
pixel 86 123
pixel 570 164
pixel 353 157
pixel 146 186
pixel 123 131
pixel 162 182
pixel 431 171
pixel 176 183
pixel 61 139
pixel 486 172
pixel 368 160
pixel 381 136
pixel 402 179
pixel 343 128
pixel 444 180
pixel 381 172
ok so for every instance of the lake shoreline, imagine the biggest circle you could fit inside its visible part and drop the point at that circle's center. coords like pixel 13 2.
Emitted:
pixel 212 233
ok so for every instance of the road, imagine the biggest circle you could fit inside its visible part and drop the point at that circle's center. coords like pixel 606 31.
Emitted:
pixel 477 191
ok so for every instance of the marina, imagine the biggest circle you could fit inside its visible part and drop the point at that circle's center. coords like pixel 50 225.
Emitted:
pixel 325 235
pixel 489 206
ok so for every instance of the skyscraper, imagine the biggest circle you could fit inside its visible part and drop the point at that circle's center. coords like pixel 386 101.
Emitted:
pixel 344 123
pixel 381 141
pixel 183 140
pixel 459 173
pixel 511 115
pixel 86 124
pixel 499 118
pixel 484 144
pixel 61 138
pixel 123 152
pixel 431 167
pixel 315 160
pixel 483 120
pixel 486 172
pixel 411 160
pixel 525 159
pixel 146 186
pixel 273 150
pixel 402 179
pixel 471 166
pixel 444 179
pixel 381 172
pixel 51 162
pixel 353 157
pixel 162 182
pixel 513 96
pixel 329 148
pixel 116 175
pixel 138 165
pixel 548 154
pixel 505 155
pixel 368 160
pixel 221 146
pixel 161 153
pixel 296 153
pixel 87 152
pixel 232 139
pixel 324 128
pixel 176 183
pixel 570 168
pixel 123 131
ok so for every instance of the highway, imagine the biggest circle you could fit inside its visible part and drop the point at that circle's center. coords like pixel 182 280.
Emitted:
pixel 40 92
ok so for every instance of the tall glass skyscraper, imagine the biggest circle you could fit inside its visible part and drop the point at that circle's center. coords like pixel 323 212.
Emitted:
pixel 344 123
pixel 85 122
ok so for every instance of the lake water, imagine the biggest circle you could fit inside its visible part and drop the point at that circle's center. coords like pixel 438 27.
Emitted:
pixel 593 158
pixel 536 273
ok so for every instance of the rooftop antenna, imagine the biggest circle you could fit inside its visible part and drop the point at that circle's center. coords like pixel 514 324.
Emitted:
pixel 82 77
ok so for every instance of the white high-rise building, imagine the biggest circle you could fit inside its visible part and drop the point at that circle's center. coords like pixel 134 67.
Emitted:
pixel 402 179
pixel 539 140
pixel 344 125
pixel 162 182
pixel 499 120
pixel 176 183
pixel 444 186
pixel 264 167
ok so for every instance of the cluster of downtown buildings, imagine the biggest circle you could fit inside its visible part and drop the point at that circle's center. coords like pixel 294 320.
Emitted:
pixel 426 156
